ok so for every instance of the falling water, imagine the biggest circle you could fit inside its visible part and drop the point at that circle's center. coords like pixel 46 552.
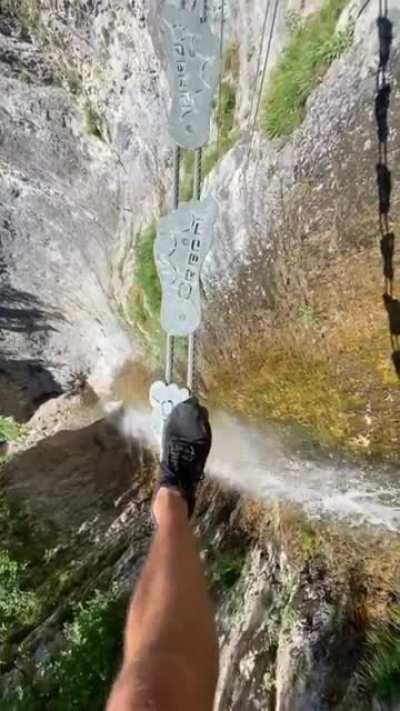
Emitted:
pixel 258 461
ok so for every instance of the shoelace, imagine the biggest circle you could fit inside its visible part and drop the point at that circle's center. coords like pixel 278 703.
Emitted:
pixel 181 452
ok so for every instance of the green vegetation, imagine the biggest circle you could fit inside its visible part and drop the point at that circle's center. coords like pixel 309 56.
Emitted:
pixel 312 542
pixel 80 675
pixel 27 12
pixel 187 186
pixel 9 430
pixel 278 383
pixel 18 607
pixel 225 569
pixel 381 674
pixel 20 604
pixel 145 295
pixel 93 121
pixel 313 46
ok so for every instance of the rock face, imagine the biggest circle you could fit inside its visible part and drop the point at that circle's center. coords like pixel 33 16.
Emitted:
pixel 75 188
pixel 86 163
pixel 306 189
pixel 290 638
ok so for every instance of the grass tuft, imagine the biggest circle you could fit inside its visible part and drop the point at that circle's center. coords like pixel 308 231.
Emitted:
pixel 26 11
pixel 145 295
pixel 226 568
pixel 313 46
pixel 381 674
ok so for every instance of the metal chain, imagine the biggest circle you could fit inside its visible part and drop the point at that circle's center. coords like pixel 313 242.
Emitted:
pixel 384 179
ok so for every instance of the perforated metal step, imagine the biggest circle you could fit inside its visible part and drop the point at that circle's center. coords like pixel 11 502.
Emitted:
pixel 193 69
pixel 163 399
pixel 183 241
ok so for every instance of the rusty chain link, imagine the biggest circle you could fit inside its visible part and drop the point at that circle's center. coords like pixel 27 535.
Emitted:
pixel 384 179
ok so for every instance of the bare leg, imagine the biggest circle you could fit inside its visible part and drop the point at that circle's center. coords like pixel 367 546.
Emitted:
pixel 171 653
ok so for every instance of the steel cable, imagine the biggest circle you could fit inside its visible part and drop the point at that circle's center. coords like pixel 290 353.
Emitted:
pixel 265 66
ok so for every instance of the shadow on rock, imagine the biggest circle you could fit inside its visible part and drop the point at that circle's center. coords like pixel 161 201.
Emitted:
pixel 22 311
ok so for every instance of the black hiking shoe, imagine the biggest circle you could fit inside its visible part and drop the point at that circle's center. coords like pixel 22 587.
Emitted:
pixel 186 446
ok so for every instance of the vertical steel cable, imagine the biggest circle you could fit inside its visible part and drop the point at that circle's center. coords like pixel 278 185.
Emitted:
pixel 170 348
pixel 221 56
pixel 191 380
pixel 177 168
pixel 266 60
pixel 198 174
pixel 263 33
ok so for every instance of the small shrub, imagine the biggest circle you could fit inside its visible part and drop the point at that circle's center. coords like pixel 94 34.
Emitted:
pixel 313 46
pixel 227 108
pixel 85 669
pixel 380 675
pixel 10 430
pixel 226 568
pixel 80 676
pixel 18 607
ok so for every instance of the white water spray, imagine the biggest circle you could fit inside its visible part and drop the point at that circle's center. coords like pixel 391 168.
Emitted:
pixel 254 460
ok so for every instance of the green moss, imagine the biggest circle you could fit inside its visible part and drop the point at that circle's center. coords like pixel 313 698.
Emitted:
pixel 286 386
pixel 312 48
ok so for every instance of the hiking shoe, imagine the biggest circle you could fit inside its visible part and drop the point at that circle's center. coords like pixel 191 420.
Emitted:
pixel 186 446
